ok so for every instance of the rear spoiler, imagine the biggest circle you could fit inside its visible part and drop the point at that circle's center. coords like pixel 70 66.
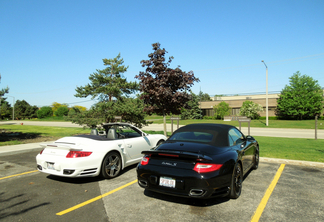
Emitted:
pixel 180 154
pixel 66 146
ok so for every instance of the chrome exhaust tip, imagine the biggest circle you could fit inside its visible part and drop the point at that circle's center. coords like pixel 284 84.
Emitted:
pixel 142 183
pixel 196 192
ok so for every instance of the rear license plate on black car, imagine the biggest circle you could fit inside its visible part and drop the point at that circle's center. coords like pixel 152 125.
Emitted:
pixel 167 182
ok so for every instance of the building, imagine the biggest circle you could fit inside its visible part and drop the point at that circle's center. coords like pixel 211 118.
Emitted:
pixel 235 102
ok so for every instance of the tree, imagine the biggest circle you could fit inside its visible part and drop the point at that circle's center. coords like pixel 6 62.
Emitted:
pixel 56 105
pixel 111 89
pixel 251 109
pixel 222 109
pixel 164 90
pixel 4 90
pixel 193 110
pixel 131 110
pixel 81 108
pixel 23 110
pixel 5 109
pixel 204 96
pixel 108 83
pixel 2 93
pixel 61 111
pixel 44 112
pixel 302 99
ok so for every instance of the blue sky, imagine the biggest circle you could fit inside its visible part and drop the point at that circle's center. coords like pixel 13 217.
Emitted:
pixel 48 48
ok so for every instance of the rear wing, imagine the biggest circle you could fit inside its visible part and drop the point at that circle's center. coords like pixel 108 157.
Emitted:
pixel 178 154
pixel 61 145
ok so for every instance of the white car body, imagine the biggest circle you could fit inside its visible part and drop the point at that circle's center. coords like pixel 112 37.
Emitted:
pixel 53 158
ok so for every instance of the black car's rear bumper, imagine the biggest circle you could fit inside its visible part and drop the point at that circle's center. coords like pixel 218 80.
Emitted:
pixel 188 182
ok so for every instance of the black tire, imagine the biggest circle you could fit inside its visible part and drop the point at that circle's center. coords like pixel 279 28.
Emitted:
pixel 256 160
pixel 111 165
pixel 236 183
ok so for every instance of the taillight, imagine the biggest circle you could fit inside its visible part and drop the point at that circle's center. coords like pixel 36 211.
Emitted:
pixel 75 154
pixel 41 151
pixel 145 160
pixel 207 167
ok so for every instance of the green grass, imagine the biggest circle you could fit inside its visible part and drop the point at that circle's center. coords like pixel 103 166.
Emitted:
pixel 291 148
pixel 38 133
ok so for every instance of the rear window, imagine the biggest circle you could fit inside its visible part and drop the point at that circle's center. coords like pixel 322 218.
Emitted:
pixel 202 137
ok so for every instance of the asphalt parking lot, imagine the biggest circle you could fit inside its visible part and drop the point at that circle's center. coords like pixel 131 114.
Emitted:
pixel 297 196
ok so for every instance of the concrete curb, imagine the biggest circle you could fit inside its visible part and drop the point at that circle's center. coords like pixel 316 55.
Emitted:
pixel 292 162
pixel 21 147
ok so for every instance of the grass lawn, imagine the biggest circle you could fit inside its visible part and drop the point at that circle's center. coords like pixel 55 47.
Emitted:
pixel 273 147
pixel 291 148
pixel 19 134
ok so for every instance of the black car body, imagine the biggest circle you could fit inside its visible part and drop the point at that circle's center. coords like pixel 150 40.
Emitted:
pixel 200 161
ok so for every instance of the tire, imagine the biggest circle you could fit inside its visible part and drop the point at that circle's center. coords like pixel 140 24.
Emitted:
pixel 256 160
pixel 236 183
pixel 111 165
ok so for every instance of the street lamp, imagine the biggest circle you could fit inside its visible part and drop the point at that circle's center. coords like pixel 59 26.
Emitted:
pixel 267 114
pixel 13 107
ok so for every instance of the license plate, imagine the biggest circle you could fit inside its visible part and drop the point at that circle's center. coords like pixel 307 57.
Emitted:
pixel 50 166
pixel 167 182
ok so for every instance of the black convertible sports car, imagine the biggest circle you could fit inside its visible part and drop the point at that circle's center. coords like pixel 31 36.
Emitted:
pixel 200 161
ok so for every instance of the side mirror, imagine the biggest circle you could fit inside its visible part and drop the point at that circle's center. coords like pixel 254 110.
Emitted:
pixel 249 137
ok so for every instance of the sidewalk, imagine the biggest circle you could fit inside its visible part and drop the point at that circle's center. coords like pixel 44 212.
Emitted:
pixel 20 147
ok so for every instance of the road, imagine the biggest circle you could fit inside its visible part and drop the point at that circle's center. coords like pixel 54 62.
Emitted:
pixel 271 132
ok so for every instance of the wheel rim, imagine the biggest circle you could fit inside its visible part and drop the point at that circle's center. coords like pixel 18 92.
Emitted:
pixel 112 165
pixel 238 180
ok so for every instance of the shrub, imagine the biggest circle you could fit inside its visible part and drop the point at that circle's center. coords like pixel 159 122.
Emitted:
pixel 44 112
pixel 251 109
pixel 61 111
pixel 221 110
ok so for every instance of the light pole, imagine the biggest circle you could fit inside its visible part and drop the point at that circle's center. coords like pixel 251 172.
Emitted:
pixel 267 112
pixel 13 107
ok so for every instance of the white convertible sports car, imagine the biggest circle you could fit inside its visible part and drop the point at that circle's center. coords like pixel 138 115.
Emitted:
pixel 119 146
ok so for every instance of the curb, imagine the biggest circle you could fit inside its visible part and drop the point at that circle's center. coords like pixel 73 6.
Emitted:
pixel 292 162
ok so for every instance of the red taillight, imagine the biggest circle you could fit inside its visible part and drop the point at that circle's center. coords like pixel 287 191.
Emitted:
pixel 207 167
pixel 41 151
pixel 145 160
pixel 75 154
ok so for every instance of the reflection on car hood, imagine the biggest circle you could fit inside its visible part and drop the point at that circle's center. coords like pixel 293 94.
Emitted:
pixel 192 147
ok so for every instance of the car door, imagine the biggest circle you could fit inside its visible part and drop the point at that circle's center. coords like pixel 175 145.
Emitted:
pixel 238 140
pixel 134 142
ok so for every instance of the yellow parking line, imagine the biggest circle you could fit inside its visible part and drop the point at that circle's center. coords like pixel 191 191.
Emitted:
pixel 18 174
pixel 94 199
pixel 264 201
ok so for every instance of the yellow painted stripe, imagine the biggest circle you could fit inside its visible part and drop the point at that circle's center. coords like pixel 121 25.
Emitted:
pixel 264 201
pixel 94 199
pixel 18 174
